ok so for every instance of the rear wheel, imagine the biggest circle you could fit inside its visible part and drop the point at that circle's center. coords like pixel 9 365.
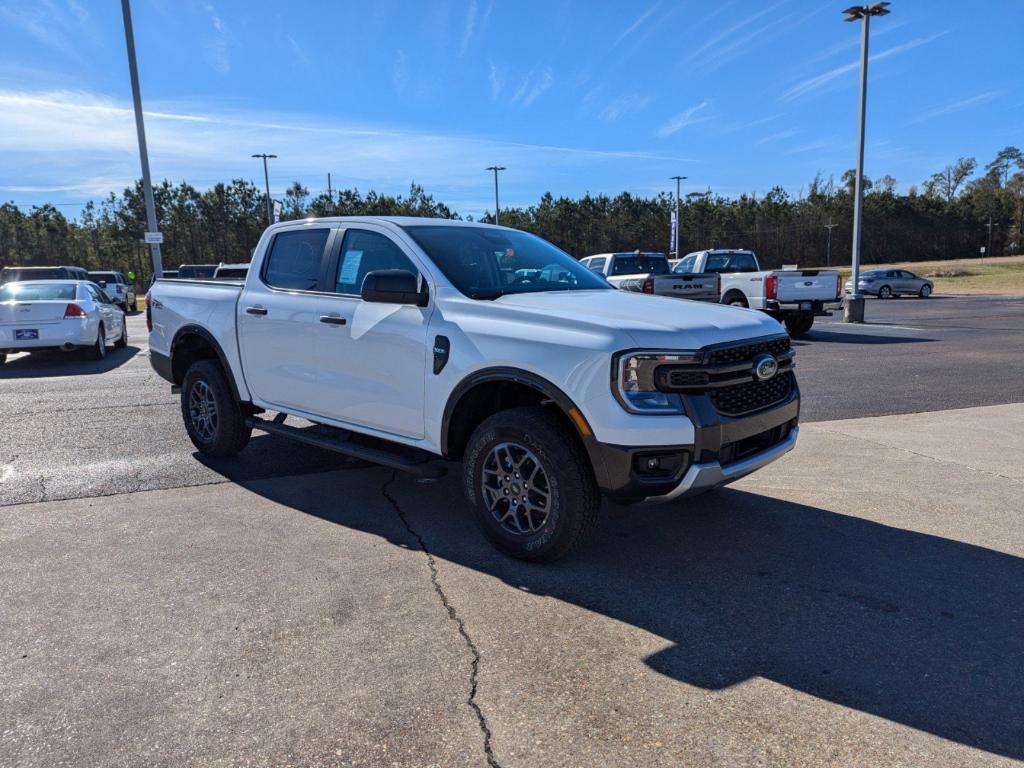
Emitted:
pixel 530 484
pixel 98 351
pixel 735 300
pixel 798 325
pixel 885 292
pixel 122 340
pixel 925 292
pixel 213 418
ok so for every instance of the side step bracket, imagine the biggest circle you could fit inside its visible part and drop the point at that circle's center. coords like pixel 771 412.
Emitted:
pixel 412 460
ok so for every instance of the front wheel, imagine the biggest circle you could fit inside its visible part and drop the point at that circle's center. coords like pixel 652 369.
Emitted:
pixel 798 325
pixel 925 292
pixel 530 484
pixel 213 418
pixel 885 292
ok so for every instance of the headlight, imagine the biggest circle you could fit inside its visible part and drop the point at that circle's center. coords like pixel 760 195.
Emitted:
pixel 633 380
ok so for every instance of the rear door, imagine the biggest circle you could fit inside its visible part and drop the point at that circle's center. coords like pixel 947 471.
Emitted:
pixel 110 315
pixel 371 357
pixel 277 318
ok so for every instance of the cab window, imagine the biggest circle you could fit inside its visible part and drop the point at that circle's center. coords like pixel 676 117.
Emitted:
pixel 294 259
pixel 364 251
pixel 685 266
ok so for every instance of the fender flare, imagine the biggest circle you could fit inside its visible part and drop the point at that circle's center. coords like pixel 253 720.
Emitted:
pixel 198 330
pixel 518 376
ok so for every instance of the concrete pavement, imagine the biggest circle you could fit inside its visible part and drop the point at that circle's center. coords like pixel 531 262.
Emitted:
pixel 859 603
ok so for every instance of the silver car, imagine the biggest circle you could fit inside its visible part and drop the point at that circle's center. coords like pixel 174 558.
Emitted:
pixel 886 283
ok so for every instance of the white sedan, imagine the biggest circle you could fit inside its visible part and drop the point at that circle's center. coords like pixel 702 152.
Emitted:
pixel 59 314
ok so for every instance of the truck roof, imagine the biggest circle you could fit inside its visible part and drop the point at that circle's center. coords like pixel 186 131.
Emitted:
pixel 400 221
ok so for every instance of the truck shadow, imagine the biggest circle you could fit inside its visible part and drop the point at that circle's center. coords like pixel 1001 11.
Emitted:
pixel 923 631
pixel 841 337
pixel 38 365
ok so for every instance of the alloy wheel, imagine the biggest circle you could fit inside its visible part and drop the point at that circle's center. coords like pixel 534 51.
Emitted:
pixel 516 489
pixel 202 410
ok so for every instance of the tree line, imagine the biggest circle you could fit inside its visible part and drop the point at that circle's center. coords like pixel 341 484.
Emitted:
pixel 947 216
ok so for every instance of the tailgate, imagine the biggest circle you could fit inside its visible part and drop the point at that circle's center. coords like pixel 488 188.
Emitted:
pixel 29 313
pixel 807 285
pixel 697 286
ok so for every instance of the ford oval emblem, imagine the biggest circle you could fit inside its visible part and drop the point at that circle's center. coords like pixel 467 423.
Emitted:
pixel 765 366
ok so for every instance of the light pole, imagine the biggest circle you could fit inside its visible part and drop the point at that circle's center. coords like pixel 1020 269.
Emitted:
pixel 853 308
pixel 266 182
pixel 990 225
pixel 140 128
pixel 495 168
pixel 675 225
pixel 828 253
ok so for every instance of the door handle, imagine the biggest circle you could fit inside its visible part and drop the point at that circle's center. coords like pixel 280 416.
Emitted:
pixel 333 320
pixel 256 310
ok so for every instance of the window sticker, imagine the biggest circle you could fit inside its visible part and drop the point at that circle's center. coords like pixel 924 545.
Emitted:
pixel 350 268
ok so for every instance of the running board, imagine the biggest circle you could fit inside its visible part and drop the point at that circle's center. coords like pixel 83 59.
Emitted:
pixel 331 439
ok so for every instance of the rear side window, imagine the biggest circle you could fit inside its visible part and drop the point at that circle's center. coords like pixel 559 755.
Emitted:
pixel 635 265
pixel 596 265
pixel 294 259
pixel 685 266
pixel 364 251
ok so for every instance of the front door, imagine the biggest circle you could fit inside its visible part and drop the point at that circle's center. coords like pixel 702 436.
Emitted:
pixel 371 357
pixel 277 318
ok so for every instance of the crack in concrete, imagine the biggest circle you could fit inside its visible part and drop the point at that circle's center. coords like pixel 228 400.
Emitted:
pixel 452 616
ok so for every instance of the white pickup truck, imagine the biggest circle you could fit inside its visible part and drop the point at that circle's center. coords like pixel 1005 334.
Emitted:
pixel 647 272
pixel 412 342
pixel 792 296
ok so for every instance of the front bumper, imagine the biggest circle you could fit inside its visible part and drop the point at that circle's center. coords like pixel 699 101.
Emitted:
pixel 724 449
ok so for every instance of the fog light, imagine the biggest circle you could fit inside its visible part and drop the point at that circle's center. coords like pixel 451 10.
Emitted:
pixel 653 463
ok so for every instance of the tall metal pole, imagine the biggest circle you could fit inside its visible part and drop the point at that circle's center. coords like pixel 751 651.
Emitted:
pixel 266 183
pixel 828 254
pixel 854 306
pixel 140 128
pixel 990 225
pixel 495 168
pixel 676 228
pixel 330 194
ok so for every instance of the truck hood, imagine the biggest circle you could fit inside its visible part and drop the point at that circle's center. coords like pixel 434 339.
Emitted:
pixel 650 321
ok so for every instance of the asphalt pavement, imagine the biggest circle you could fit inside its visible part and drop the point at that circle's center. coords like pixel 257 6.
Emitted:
pixel 859 603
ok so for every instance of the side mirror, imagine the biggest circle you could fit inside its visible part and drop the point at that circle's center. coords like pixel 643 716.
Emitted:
pixel 394 286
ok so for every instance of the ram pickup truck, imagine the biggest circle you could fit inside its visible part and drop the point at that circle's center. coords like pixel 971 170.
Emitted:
pixel 416 342
pixel 793 297
pixel 645 272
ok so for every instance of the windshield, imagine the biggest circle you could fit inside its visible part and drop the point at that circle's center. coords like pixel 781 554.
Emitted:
pixel 13 275
pixel 485 263
pixel 743 261
pixel 38 292
pixel 650 263
pixel 232 272
pixel 103 277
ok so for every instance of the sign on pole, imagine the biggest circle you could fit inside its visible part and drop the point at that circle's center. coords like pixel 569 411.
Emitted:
pixel 277 211
pixel 672 234
pixel 154 238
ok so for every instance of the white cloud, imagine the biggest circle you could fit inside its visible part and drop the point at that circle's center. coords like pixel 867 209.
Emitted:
pixel 635 25
pixel 217 46
pixel 683 119
pixel 814 83
pixel 530 87
pixel 955 106
pixel 82 142
pixel 777 137
pixel 469 25
pixel 58 28
pixel 623 106
pixel 497 80
pixel 300 54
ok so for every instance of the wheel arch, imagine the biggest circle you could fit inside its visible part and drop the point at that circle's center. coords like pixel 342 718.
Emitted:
pixel 193 342
pixel 491 390
pixel 735 293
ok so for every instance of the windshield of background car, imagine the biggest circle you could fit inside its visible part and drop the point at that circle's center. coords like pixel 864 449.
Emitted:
pixel 42 292
pixel 485 263
pixel 685 266
pixel 636 265
pixel 103 277
pixel 13 275
pixel 731 262
pixel 197 271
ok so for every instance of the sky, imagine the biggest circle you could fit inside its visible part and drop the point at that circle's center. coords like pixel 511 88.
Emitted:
pixel 572 96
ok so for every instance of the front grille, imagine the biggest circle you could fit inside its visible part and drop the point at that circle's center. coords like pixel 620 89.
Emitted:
pixel 743 352
pixel 678 378
pixel 751 396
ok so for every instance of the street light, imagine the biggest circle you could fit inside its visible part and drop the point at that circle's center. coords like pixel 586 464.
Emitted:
pixel 853 309
pixel 495 168
pixel 266 181
pixel 140 128
pixel 675 224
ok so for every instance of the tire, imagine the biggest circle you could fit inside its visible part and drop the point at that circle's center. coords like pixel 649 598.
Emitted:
pixel 925 292
pixel 532 440
pixel 98 351
pixel 213 418
pixel 135 305
pixel 122 341
pixel 885 292
pixel 798 325
pixel 123 306
pixel 737 301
